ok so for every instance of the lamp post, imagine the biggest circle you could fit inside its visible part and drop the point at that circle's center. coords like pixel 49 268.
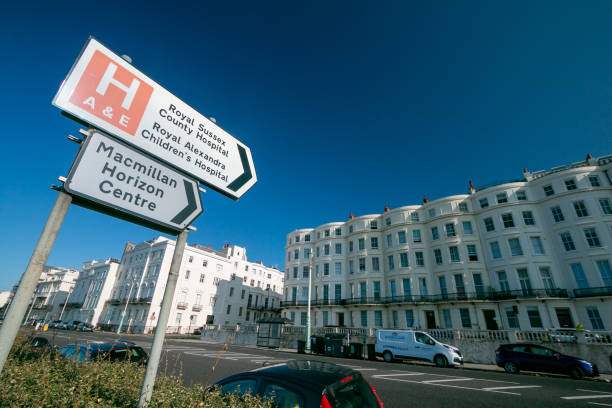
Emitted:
pixel 127 302
pixel 309 297
pixel 66 301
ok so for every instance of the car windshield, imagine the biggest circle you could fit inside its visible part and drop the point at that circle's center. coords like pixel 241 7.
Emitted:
pixel 354 393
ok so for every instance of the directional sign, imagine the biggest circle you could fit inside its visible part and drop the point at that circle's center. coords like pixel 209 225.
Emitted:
pixel 106 91
pixel 113 174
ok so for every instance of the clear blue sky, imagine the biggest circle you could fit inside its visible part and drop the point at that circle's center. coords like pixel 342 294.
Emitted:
pixel 346 106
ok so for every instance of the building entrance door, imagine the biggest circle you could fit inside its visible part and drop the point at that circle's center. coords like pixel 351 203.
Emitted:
pixel 431 319
pixel 490 319
pixel 340 317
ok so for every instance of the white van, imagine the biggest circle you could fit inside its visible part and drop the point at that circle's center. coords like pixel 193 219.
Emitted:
pixel 416 345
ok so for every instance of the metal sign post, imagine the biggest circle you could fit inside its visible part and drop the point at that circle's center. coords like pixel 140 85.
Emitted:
pixel 162 322
pixel 24 293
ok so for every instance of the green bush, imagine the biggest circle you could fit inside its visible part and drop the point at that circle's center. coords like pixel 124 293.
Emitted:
pixel 41 380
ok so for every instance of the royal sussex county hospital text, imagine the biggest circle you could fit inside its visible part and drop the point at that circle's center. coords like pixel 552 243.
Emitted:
pixel 117 182
pixel 174 143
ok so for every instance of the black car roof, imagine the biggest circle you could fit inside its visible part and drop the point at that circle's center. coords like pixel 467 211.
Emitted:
pixel 309 373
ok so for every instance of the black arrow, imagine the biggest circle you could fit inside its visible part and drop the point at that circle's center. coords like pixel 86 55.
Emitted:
pixel 244 177
pixel 191 204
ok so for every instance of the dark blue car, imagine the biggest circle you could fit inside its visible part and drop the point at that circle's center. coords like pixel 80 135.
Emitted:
pixel 532 357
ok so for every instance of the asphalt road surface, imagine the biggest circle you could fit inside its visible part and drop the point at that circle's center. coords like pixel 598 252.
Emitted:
pixel 399 385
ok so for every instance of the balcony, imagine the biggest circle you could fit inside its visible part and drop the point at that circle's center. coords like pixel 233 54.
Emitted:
pixel 74 305
pixel 196 308
pixel 115 301
pixel 590 292
pixel 264 309
pixel 182 305
pixel 147 299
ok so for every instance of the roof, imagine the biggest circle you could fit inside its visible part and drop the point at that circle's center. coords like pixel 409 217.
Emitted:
pixel 310 373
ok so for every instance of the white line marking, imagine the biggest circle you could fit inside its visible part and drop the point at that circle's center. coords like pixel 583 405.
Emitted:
pixel 446 380
pixel 578 397
pixel 599 403
pixel 447 385
pixel 394 375
pixel 601 392
pixel 512 387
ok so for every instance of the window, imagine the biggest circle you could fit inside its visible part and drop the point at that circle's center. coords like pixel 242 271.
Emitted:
pixel 231 292
pixel 305 272
pixel 338 232
pixel 178 318
pixel 190 261
pixel 393 289
pixel 373 224
pixel 570 184
pixel 521 195
pixel 296 254
pixel 378 318
pixel 568 242
pixel 450 230
pixel 595 318
pixel 515 247
pixel 376 290
pixel 414 216
pixel 489 226
pixel 318 252
pixel 338 268
pixel 484 203
pixel 325 292
pixel 605 271
pixel 416 236
pixel 350 229
pixel 502 277
pixel 325 318
pixel 326 249
pixel 406 288
pixel 508 220
pixel 375 264
pixel 495 251
pixel 524 280
pixel 389 241
pixel 423 286
pixel 404 259
pixel 391 263
pixel 362 264
pixel 454 254
pixel 364 318
pixel 395 319
pixel 295 274
pixel 528 218
pixel 303 318
pixel 351 266
pixel 548 190
pixel 387 221
pixel 327 232
pixel 502 198
pixel 361 244
pixel 187 273
pixel 350 246
pixel 463 207
pixel 606 208
pixel 438 256
pixel 242 294
pixel 307 238
pixel 478 285
pixel 431 213
pixel 466 321
pixel 581 210
pixel 306 253
pixel 467 228
pixel 434 233
pixel 374 243
pixel 547 278
pixel 326 269
pixel 401 237
pixel 420 260
pixel 592 238
pixel 216 281
pixel 536 244
pixel 579 276
pixel 338 249
pixel 557 214
pixel 594 180
pixel 472 255
pixel 202 277
pixel 512 315
pixel 443 290
pixel 409 318
pixel 229 309
pixel 362 291
pixel 459 284
pixel 534 317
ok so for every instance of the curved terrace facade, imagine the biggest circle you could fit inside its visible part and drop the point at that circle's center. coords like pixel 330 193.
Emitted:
pixel 530 254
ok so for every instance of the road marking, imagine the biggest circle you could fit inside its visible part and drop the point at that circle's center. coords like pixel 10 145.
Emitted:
pixel 601 404
pixel 446 380
pixel 395 375
pixel 511 387
pixel 445 385
pixel 354 367
pixel 600 392
pixel 578 397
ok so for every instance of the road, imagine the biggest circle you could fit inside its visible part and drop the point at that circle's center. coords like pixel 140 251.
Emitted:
pixel 399 385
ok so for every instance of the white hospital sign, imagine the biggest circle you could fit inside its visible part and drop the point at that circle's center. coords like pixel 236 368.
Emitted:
pixel 111 173
pixel 106 91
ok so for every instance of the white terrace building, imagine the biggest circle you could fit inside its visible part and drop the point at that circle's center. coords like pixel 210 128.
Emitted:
pixel 51 292
pixel 529 254
pixel 213 288
pixel 91 291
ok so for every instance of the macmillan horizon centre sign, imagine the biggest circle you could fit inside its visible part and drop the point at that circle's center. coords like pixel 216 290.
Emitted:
pixel 106 91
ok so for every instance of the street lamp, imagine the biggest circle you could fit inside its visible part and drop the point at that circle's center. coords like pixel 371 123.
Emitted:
pixel 127 301
pixel 310 254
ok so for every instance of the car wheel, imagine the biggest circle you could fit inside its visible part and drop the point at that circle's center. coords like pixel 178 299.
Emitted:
pixel 577 373
pixel 387 356
pixel 511 368
pixel 440 361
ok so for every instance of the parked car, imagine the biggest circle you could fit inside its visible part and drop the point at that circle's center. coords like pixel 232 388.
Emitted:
pixel 119 351
pixel 533 357
pixel 53 324
pixel 72 324
pixel 305 384
pixel 416 345
pixel 198 331
pixel 84 327
pixel 39 344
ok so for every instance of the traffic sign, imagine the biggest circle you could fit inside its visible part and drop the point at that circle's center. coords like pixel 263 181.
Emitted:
pixel 111 173
pixel 109 93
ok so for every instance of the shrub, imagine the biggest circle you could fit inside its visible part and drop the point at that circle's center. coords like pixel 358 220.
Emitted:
pixel 41 380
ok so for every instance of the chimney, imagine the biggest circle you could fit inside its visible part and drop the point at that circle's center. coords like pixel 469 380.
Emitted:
pixel 425 200
pixel 472 189
pixel 351 216
pixel 386 208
